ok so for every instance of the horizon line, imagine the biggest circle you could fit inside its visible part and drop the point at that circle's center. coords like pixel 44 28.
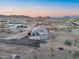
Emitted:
pixel 35 16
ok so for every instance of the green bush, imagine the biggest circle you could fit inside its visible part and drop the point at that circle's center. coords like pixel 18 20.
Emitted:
pixel 68 42
pixel 9 31
pixel 2 30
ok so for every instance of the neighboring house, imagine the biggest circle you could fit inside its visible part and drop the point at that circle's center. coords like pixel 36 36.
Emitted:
pixel 11 26
pixel 18 26
pixel 75 23
pixel 68 24
pixel 65 25
pixel 39 33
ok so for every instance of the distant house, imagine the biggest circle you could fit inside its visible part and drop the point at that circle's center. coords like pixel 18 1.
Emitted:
pixel 18 26
pixel 60 26
pixel 39 33
pixel 11 26
pixel 75 23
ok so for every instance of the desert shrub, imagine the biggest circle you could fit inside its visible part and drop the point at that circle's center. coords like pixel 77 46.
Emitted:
pixel 2 30
pixel 9 31
pixel 51 49
pixel 68 42
pixel 75 54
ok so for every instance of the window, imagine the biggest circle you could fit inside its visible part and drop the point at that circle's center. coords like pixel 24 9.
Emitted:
pixel 41 30
pixel 33 34
pixel 37 34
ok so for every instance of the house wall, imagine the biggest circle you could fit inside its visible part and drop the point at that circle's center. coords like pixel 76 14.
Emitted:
pixel 42 33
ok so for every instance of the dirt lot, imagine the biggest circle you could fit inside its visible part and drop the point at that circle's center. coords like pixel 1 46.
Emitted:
pixel 49 50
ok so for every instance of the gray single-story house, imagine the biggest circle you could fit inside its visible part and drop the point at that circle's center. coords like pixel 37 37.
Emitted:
pixel 39 33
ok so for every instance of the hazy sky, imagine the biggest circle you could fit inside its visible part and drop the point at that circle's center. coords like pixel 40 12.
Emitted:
pixel 39 7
